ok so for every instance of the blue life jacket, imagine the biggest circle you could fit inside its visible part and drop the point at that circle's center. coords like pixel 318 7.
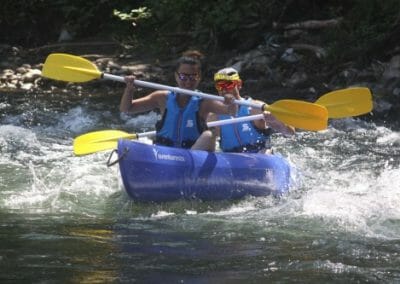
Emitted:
pixel 243 136
pixel 180 127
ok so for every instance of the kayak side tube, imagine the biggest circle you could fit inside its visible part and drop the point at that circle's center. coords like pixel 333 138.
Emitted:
pixel 158 173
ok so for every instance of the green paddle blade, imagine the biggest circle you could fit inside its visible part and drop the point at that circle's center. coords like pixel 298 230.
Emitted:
pixel 347 102
pixel 69 68
pixel 99 141
pixel 299 114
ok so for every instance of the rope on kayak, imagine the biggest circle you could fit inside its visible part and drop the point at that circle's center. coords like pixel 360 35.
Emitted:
pixel 112 163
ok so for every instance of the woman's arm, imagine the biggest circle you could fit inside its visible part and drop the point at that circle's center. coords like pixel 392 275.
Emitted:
pixel 156 99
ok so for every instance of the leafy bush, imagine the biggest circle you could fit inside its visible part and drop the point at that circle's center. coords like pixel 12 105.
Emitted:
pixel 215 24
pixel 208 24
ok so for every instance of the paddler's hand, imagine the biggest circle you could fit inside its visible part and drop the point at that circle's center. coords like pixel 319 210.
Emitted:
pixel 126 101
pixel 129 80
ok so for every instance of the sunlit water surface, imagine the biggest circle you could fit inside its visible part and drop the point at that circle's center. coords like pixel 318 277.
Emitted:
pixel 67 218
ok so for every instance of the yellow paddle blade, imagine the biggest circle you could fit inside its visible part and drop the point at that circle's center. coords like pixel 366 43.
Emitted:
pixel 347 102
pixel 69 68
pixel 300 114
pixel 99 141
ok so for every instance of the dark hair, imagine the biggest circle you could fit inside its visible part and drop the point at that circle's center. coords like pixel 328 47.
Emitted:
pixel 192 57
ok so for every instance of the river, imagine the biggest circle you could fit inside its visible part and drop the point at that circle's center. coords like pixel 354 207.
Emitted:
pixel 68 219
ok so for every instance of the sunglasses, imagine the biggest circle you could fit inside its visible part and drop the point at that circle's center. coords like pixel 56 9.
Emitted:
pixel 187 77
pixel 225 85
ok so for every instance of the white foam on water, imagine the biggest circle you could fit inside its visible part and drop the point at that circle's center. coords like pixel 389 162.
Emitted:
pixel 347 181
pixel 237 209
pixel 388 138
pixel 162 214
pixel 71 186
pixel 54 179
pixel 345 177
pixel 361 203
pixel 359 192
pixel 78 120
pixel 145 122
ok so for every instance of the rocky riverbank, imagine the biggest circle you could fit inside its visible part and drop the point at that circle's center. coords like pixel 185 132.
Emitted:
pixel 271 71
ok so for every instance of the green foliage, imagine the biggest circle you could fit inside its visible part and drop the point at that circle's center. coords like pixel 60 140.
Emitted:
pixel 134 15
pixel 215 24
pixel 206 23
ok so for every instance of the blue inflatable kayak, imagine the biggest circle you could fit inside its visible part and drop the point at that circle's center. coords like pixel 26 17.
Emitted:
pixel 159 173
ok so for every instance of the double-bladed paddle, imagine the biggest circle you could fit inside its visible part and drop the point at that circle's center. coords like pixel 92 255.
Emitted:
pixel 340 103
pixel 303 115
pixel 107 139
pixel 347 102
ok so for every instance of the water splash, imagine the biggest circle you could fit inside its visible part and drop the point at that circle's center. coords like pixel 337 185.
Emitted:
pixel 345 178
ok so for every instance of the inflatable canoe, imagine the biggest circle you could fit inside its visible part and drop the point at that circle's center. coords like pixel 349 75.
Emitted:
pixel 158 173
